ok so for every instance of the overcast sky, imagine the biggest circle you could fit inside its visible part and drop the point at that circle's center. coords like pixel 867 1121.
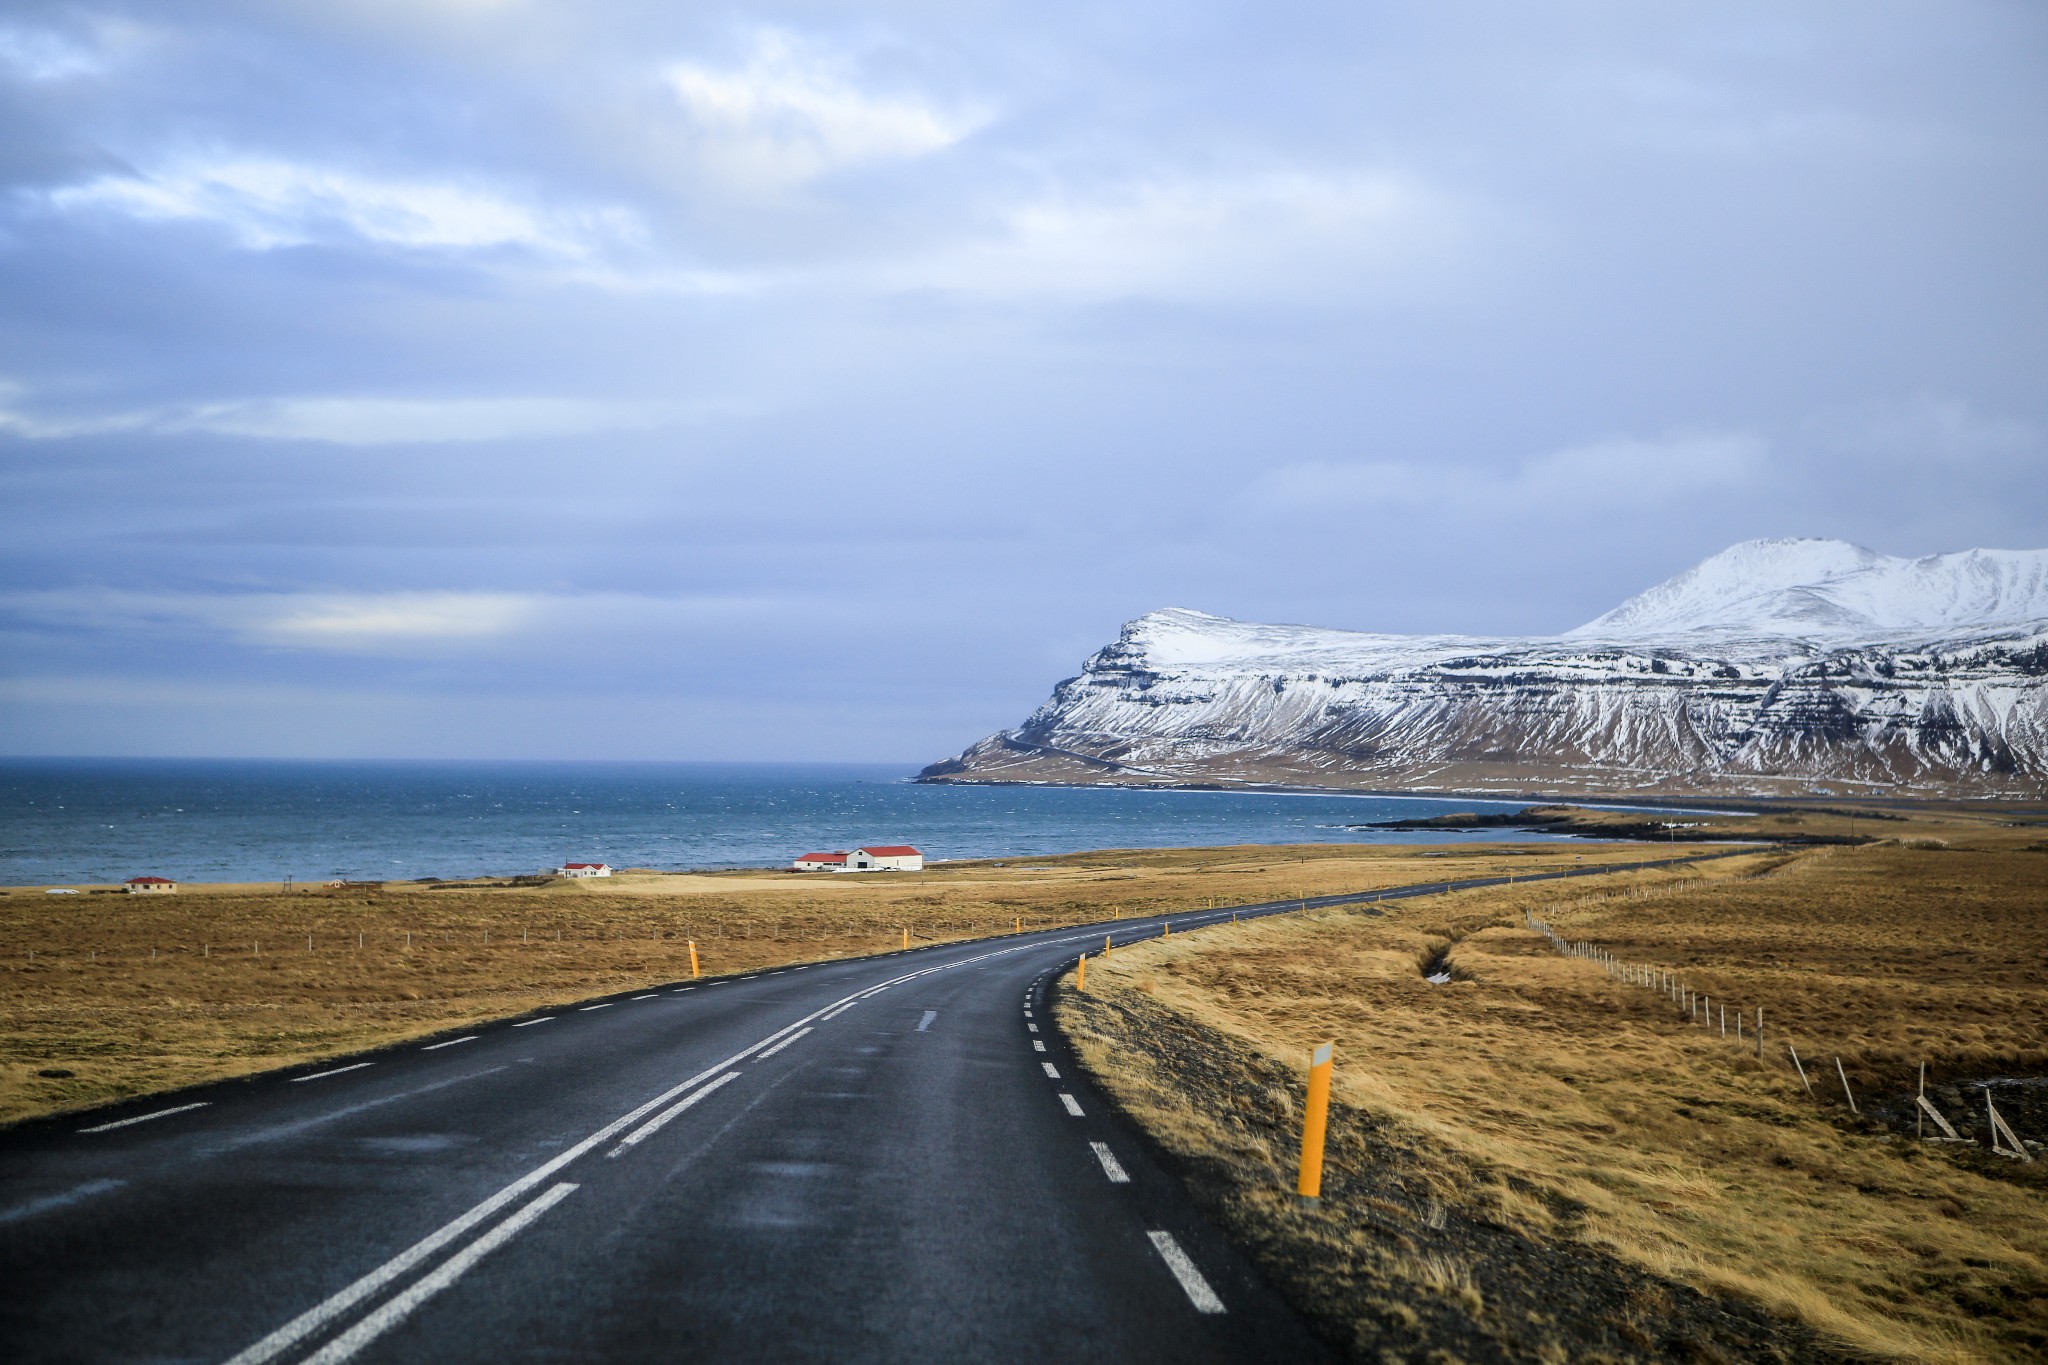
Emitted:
pixel 502 378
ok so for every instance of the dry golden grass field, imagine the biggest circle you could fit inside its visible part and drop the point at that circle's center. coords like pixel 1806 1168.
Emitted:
pixel 117 995
pixel 1539 1160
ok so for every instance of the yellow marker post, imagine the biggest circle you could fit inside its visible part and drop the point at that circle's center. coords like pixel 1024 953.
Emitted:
pixel 694 973
pixel 1166 930
pixel 1105 945
pixel 1081 973
pixel 906 938
pixel 1315 1122
pixel 1020 925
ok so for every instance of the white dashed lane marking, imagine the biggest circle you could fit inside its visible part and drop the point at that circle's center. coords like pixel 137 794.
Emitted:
pixel 323 1075
pixel 529 1023
pixel 1051 1070
pixel 145 1118
pixel 1111 1167
pixel 926 1022
pixel 1037 1046
pixel 1191 1282
pixel 1073 1105
pixel 783 1044
pixel 655 1124
pixel 605 1006
pixel 436 1047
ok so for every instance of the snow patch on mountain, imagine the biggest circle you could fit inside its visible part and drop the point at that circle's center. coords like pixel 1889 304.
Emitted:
pixel 1832 590
pixel 1775 666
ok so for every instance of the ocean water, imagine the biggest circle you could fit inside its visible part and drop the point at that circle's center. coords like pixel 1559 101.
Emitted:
pixel 79 820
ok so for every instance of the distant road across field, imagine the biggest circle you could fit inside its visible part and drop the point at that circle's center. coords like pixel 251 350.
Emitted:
pixel 894 1158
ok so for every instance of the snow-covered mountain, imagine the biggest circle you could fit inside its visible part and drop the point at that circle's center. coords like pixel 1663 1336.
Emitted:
pixel 1775 667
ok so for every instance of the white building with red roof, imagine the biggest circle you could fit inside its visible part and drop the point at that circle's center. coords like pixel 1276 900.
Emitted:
pixel 885 858
pixel 144 886
pixel 820 862
pixel 584 870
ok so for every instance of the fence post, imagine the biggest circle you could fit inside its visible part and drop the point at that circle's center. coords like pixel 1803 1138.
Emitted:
pixel 1800 1069
pixel 1851 1094
pixel 1315 1123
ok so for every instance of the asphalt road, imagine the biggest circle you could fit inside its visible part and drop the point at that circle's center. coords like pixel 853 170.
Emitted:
pixel 893 1159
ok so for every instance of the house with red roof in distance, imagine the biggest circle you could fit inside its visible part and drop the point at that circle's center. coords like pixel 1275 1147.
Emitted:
pixel 885 858
pixel 145 886
pixel 584 870
pixel 820 862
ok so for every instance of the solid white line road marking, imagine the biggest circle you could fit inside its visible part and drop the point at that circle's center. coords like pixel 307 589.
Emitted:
pixel 401 1307
pixel 1051 1070
pixel 605 1006
pixel 655 1124
pixel 529 1023
pixel 836 1013
pixel 1197 1289
pixel 926 1022
pixel 436 1047
pixel 781 1045
pixel 1037 1046
pixel 1073 1105
pixel 144 1118
pixel 1111 1167
pixel 323 1075
pixel 317 1317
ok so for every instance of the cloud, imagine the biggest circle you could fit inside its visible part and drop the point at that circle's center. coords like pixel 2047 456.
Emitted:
pixel 390 623
pixel 1276 235
pixel 267 203
pixel 367 421
pixel 39 54
pixel 1622 472
pixel 793 111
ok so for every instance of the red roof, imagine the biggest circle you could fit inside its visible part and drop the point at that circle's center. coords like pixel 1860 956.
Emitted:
pixel 149 881
pixel 822 858
pixel 584 864
pixel 892 851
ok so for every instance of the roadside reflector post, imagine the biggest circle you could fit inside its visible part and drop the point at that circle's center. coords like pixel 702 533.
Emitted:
pixel 1020 925
pixel 693 960
pixel 1166 930
pixel 906 936
pixel 1105 945
pixel 1315 1122
pixel 1081 973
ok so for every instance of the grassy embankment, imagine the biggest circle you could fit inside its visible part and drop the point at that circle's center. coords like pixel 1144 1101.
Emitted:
pixel 1537 1161
pixel 130 994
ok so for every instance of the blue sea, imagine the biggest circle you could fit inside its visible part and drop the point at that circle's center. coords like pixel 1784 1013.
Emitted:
pixel 88 820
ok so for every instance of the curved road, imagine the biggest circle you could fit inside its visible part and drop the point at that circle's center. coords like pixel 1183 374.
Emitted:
pixel 892 1158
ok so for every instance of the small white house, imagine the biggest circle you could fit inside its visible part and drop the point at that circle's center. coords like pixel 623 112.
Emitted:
pixel 820 862
pixel 146 886
pixel 885 858
pixel 584 870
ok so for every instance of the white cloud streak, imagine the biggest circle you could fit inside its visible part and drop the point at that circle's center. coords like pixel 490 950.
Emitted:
pixel 1622 472
pixel 378 623
pixel 370 421
pixel 267 203
pixel 794 111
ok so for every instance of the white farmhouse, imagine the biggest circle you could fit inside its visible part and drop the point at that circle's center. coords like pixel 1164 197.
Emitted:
pixel 820 862
pixel 584 870
pixel 885 858
pixel 147 886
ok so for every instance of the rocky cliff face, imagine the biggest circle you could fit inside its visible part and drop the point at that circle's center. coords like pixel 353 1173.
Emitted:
pixel 1775 668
